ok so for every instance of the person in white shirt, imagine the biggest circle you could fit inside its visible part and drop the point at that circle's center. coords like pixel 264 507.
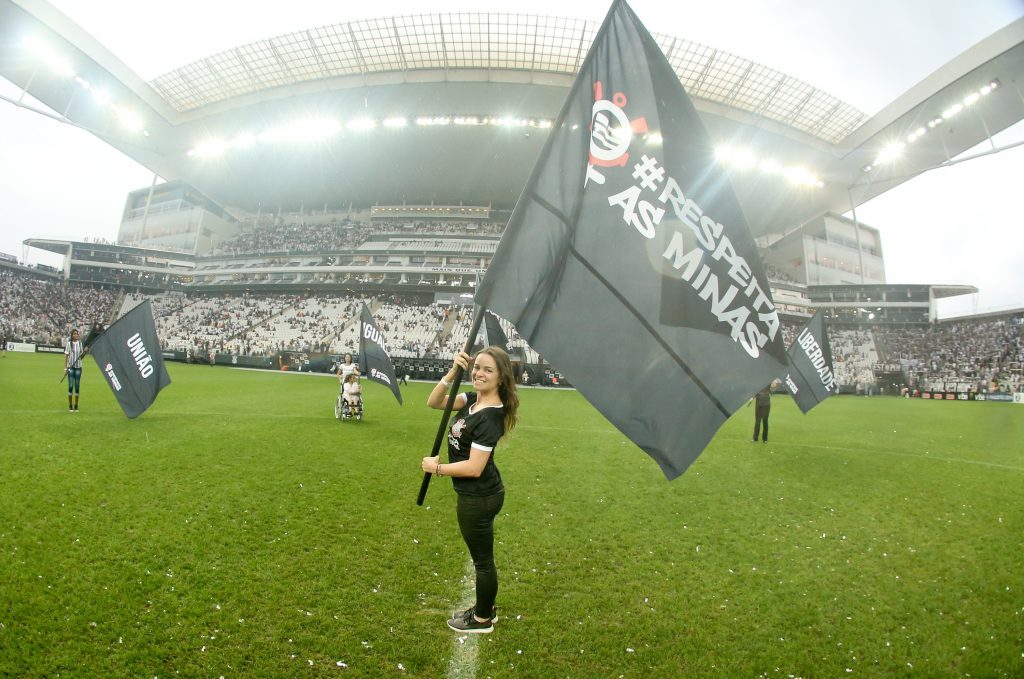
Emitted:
pixel 73 353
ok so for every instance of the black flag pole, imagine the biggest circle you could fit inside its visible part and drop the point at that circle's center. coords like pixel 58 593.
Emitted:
pixel 362 351
pixel 478 315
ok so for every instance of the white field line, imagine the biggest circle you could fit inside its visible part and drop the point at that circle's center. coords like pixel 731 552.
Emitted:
pixel 463 663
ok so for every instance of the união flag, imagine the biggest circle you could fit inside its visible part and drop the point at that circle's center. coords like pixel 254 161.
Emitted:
pixel 374 356
pixel 128 354
pixel 627 262
pixel 811 379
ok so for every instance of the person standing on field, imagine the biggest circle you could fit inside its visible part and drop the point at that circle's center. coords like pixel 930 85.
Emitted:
pixel 762 407
pixel 484 416
pixel 73 352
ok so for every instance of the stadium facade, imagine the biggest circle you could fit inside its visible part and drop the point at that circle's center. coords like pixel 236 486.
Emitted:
pixel 394 150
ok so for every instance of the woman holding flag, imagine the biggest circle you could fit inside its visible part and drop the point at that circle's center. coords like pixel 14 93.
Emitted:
pixel 484 416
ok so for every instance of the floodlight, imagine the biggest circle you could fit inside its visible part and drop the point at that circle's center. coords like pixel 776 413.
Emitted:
pixel 128 119
pixel 52 59
pixel 362 124
pixel 210 148
pixel 952 111
pixel 971 98
pixel 890 152
pixel 547 124
pixel 800 176
pixel 743 159
pixel 395 122
pixel 101 96
pixel 309 129
pixel 243 141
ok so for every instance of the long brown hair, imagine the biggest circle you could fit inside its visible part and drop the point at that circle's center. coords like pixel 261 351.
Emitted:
pixel 506 384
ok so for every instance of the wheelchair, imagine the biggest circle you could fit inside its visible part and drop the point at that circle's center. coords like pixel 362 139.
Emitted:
pixel 343 410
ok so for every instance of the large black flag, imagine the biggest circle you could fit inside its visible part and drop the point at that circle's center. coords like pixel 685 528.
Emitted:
pixel 627 261
pixel 128 353
pixel 375 359
pixel 811 379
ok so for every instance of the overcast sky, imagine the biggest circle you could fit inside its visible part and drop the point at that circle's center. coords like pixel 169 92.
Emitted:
pixel 960 224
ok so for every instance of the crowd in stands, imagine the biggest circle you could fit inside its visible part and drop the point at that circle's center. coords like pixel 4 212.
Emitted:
pixel 302 237
pixel 43 311
pixel 778 275
pixel 854 356
pixel 979 352
pixel 292 238
pixel 984 353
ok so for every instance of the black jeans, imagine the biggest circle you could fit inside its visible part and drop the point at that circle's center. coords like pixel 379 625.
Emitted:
pixel 476 521
pixel 761 415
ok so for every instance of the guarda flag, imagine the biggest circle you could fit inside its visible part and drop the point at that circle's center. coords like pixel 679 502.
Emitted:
pixel 128 354
pixel 811 378
pixel 627 262
pixel 375 359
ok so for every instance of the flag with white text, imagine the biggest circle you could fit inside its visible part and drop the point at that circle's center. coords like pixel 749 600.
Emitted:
pixel 128 354
pixel 627 262
pixel 377 366
pixel 811 378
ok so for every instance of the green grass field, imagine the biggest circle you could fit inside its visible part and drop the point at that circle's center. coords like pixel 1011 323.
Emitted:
pixel 237 529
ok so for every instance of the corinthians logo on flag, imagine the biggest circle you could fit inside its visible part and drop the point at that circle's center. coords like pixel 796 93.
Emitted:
pixel 611 130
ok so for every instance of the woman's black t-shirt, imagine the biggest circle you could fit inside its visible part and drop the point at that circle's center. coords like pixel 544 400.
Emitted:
pixel 483 427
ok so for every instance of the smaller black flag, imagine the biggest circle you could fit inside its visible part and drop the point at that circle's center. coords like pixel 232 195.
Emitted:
pixel 811 378
pixel 94 332
pixel 128 354
pixel 376 362
pixel 491 332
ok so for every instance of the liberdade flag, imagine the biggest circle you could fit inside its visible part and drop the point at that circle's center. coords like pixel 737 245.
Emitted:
pixel 376 362
pixel 811 378
pixel 128 354
pixel 627 261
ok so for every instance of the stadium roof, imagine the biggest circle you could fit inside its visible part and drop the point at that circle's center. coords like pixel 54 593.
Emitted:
pixel 504 76
pixel 495 42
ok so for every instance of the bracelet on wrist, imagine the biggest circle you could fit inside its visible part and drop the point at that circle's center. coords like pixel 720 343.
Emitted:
pixel 437 471
pixel 446 383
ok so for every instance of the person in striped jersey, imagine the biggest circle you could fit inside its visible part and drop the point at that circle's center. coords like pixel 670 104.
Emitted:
pixel 73 353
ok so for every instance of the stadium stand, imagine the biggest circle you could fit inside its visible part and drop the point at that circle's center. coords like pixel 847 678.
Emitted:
pixel 968 354
pixel 983 353
pixel 44 311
